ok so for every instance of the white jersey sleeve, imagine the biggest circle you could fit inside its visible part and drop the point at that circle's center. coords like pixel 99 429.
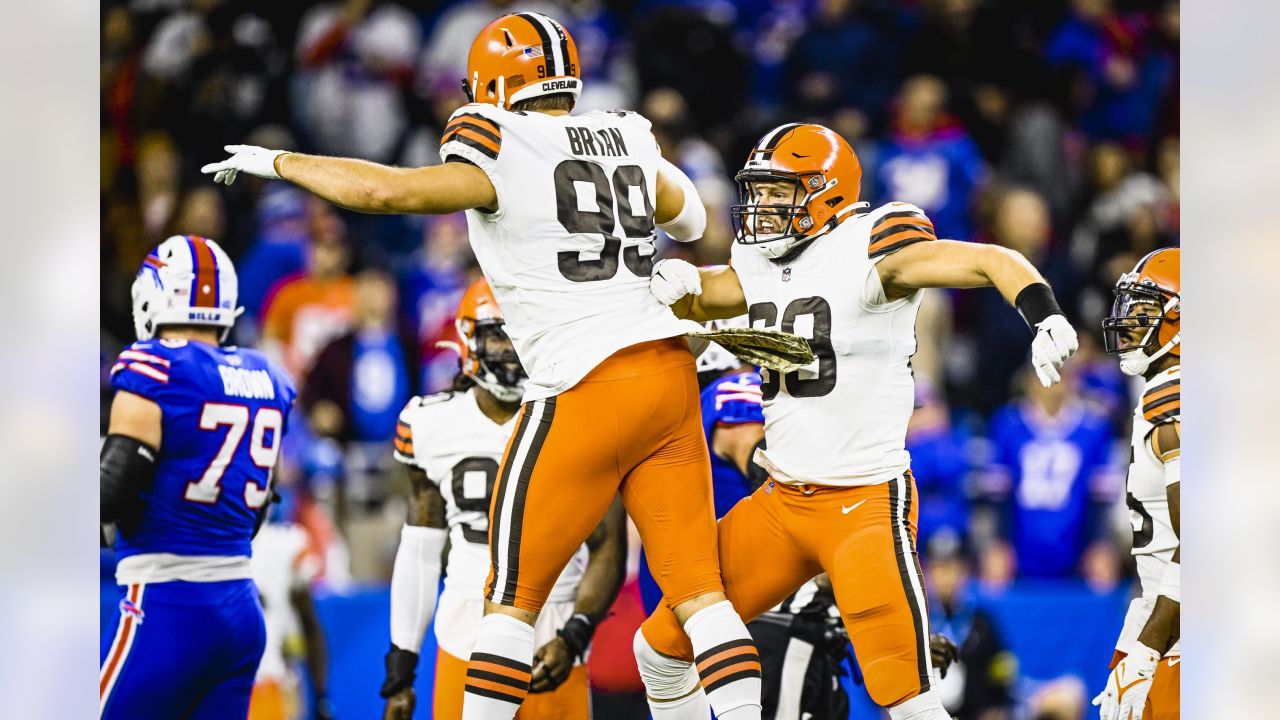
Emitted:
pixel 473 134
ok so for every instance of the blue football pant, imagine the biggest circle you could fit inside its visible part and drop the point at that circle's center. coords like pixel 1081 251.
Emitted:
pixel 183 650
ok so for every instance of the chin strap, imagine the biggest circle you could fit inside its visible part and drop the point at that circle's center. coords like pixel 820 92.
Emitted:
pixel 1136 362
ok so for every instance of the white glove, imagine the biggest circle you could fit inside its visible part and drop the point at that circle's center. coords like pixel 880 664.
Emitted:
pixel 673 279
pixel 1055 341
pixel 1128 685
pixel 245 158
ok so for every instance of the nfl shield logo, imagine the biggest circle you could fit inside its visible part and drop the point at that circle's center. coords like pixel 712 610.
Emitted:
pixel 786 274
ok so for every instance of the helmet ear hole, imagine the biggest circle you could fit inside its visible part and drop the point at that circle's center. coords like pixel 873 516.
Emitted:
pixel 507 34
pixel 491 88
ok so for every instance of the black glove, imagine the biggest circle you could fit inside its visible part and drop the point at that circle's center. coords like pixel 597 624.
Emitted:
pixel 402 670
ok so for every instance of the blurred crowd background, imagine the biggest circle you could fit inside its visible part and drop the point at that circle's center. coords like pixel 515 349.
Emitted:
pixel 1049 127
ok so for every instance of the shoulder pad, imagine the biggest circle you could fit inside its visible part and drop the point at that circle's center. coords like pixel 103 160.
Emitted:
pixel 1160 400
pixel 896 225
pixel 473 130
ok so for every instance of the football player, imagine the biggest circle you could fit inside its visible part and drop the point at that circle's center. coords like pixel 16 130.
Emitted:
pixel 1145 331
pixel 452 443
pixel 840 497
pixel 561 211
pixel 186 473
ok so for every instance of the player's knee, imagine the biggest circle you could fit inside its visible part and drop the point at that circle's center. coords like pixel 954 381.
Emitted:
pixel 665 678
pixel 925 706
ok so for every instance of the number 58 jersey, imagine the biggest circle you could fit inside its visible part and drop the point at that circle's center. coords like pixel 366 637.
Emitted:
pixel 843 419
pixel 224 411
pixel 460 449
pixel 569 250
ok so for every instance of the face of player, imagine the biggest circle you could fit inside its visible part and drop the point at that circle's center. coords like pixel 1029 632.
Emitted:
pixel 766 193
pixel 499 355
pixel 1134 335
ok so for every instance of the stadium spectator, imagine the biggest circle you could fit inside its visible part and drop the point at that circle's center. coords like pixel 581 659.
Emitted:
pixel 929 160
pixel 939 465
pixel 845 39
pixel 431 285
pixel 304 312
pixel 1055 478
pixel 979 684
pixel 356 59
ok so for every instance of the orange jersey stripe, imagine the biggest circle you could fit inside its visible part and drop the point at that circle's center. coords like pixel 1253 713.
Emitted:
pixel 473 135
pixel 1173 406
pixel 476 120
pixel 905 238
pixel 1161 393
pixel 735 668
pixel 914 219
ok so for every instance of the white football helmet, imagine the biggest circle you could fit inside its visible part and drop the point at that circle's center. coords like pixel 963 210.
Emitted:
pixel 185 280
pixel 716 358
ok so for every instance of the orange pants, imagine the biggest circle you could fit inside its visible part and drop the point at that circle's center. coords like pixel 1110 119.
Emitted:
pixel 570 701
pixel 864 539
pixel 632 425
pixel 270 702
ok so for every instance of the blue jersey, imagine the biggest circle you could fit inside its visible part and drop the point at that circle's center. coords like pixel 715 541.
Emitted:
pixel 224 411
pixel 730 400
pixel 1052 464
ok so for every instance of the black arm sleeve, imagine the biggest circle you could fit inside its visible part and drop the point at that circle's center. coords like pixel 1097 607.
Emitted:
pixel 756 474
pixel 128 466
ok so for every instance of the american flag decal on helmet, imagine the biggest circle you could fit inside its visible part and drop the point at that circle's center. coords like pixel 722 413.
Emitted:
pixel 533 51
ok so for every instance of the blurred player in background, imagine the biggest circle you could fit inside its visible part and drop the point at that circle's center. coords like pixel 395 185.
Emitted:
pixel 840 497
pixel 186 473
pixel 1145 330
pixel 453 444
pixel 283 570
pixel 561 211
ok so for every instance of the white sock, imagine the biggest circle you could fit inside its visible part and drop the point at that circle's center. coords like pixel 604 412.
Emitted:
pixel 671 686
pixel 727 661
pixel 925 706
pixel 498 672
pixel 415 581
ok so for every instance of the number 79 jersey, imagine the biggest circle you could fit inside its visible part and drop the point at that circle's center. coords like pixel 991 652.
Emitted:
pixel 843 419
pixel 460 449
pixel 569 251
pixel 223 414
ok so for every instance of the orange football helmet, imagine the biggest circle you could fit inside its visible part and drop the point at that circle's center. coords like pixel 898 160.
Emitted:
pixel 521 56
pixel 825 176
pixel 485 353
pixel 1146 318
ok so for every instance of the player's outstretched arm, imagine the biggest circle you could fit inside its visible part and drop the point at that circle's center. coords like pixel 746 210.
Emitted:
pixel 606 568
pixel 127 464
pixel 362 185
pixel 953 264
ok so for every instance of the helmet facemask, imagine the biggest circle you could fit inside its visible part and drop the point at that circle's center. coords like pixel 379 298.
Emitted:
pixel 1132 331
pixel 494 364
pixel 772 212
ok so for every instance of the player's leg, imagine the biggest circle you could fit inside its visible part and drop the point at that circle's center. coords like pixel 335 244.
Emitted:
pixel 760 565
pixel 242 635
pixel 142 667
pixel 559 475
pixel 570 701
pixel 870 555
pixel 1164 701
pixel 447 693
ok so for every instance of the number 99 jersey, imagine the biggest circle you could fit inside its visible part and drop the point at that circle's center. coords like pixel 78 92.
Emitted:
pixel 843 419
pixel 569 251
pixel 223 417
pixel 460 449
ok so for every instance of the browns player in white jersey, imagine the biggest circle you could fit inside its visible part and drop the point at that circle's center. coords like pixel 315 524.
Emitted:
pixel 1145 330
pixel 561 211
pixel 840 497
pixel 453 443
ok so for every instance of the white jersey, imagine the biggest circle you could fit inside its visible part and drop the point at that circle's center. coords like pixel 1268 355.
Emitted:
pixel 843 419
pixel 1153 538
pixel 569 251
pixel 460 449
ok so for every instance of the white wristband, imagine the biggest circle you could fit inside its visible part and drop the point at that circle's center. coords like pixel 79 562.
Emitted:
pixel 1172 471
pixel 1171 583
pixel 691 222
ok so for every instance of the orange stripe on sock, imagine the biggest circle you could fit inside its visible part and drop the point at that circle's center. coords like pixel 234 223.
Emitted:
pixel 498 669
pixel 725 655
pixel 735 668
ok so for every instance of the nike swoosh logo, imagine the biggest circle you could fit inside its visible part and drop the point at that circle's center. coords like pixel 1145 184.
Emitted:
pixel 1175 660
pixel 846 510
pixel 1122 690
